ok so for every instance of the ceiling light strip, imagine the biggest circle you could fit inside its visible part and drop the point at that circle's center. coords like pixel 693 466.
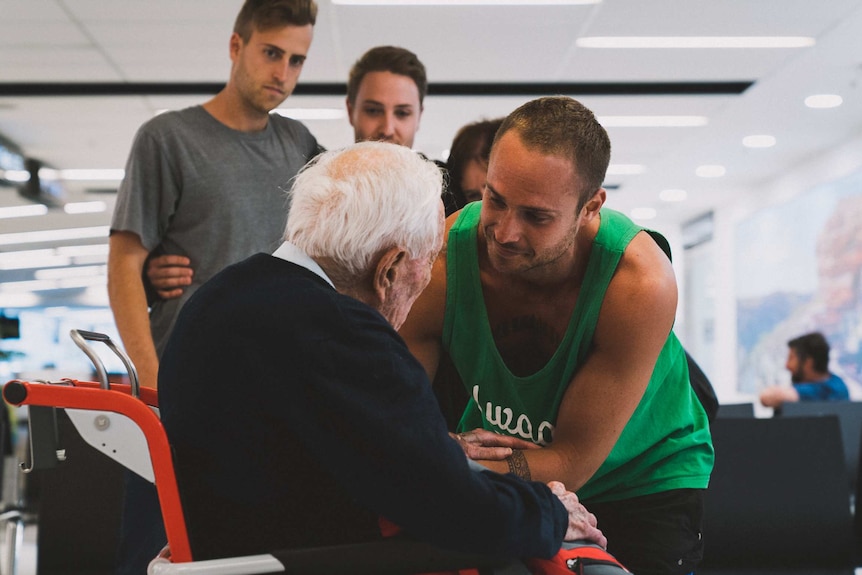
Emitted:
pixel 692 42
pixel 23 211
pixel 653 121
pixel 464 2
pixel 53 235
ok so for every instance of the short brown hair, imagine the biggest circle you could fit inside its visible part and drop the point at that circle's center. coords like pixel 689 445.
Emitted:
pixel 268 14
pixel 562 126
pixel 387 59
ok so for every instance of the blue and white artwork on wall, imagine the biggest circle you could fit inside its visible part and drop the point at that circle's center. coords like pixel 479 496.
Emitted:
pixel 799 269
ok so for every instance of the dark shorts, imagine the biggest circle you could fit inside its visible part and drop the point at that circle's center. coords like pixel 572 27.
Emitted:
pixel 658 534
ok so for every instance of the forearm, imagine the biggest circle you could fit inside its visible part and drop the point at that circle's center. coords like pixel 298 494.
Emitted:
pixel 543 465
pixel 129 305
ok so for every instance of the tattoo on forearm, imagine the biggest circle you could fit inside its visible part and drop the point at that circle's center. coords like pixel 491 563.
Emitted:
pixel 518 464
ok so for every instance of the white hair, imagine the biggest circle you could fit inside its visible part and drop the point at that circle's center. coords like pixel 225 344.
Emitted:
pixel 350 205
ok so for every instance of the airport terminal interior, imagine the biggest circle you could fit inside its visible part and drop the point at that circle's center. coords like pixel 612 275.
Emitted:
pixel 736 133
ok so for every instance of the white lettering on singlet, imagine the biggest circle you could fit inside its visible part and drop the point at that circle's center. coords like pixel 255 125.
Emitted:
pixel 504 418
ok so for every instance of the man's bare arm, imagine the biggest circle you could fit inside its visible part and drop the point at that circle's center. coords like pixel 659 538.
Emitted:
pixel 635 320
pixel 129 303
pixel 777 395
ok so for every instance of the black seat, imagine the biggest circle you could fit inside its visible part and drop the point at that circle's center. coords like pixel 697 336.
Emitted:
pixel 736 410
pixel 777 500
pixel 849 415
pixel 79 508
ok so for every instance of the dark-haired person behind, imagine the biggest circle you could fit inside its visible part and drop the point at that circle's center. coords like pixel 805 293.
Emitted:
pixel 808 364
pixel 298 415
pixel 467 163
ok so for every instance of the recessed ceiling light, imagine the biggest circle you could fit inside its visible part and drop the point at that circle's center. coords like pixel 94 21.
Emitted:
pixel 643 213
pixel 85 207
pixel 689 42
pixel 652 121
pixel 758 141
pixel 824 101
pixel 673 195
pixel 710 171
pixel 90 174
pixel 15 175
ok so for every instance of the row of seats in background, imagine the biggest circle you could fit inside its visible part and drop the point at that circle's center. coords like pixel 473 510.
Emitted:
pixel 782 495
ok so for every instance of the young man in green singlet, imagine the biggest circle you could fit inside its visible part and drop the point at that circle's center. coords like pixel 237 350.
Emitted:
pixel 558 316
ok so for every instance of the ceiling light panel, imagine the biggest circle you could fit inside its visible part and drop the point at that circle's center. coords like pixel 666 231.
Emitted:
pixel 694 42
pixel 653 121
pixel 824 101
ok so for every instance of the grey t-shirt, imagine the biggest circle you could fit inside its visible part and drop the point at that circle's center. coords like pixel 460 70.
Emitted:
pixel 197 188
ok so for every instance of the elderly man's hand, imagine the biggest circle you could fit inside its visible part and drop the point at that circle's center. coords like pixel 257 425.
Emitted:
pixel 484 444
pixel 582 523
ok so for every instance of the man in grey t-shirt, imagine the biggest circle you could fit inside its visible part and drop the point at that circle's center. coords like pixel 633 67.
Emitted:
pixel 203 183
pixel 386 89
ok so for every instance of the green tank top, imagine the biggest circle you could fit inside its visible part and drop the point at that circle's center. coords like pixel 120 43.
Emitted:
pixel 666 443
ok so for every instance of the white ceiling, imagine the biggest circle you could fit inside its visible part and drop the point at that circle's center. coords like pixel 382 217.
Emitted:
pixel 186 41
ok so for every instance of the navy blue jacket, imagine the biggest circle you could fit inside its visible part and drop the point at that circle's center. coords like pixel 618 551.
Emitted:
pixel 298 417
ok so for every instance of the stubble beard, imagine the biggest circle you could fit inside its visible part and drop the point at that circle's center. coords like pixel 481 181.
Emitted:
pixel 531 263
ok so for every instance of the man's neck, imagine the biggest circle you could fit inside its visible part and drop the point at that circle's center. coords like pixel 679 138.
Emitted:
pixel 229 109
pixel 816 377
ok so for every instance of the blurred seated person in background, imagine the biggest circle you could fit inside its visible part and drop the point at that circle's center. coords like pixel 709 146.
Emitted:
pixel 298 415
pixel 468 162
pixel 386 89
pixel 808 364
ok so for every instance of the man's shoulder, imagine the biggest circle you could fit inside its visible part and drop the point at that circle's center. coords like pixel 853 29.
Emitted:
pixel 176 126
pixel 173 120
pixel 284 124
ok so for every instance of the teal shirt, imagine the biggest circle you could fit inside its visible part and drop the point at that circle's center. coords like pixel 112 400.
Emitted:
pixel 666 443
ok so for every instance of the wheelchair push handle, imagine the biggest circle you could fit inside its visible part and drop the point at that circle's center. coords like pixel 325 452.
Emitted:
pixel 81 337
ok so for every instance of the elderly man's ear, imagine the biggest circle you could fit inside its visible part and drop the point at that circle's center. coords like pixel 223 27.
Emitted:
pixel 386 272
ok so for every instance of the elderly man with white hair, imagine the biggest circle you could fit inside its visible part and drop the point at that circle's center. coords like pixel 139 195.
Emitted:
pixel 298 416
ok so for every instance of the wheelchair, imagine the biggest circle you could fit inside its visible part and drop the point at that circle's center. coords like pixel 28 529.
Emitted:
pixel 122 421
